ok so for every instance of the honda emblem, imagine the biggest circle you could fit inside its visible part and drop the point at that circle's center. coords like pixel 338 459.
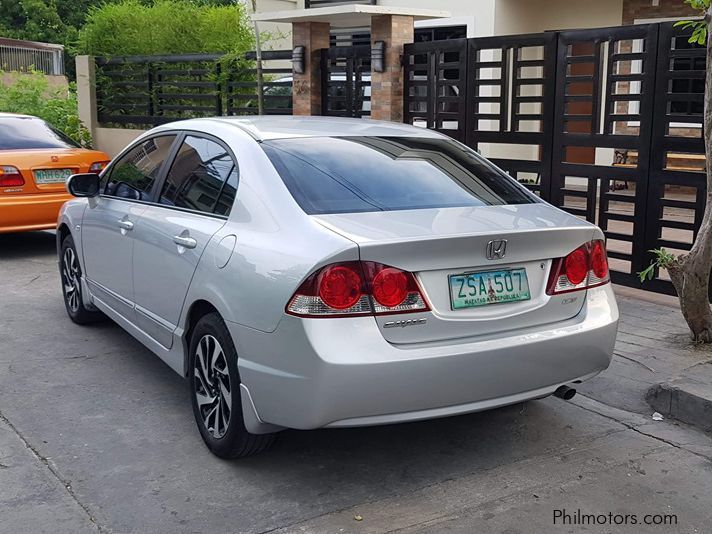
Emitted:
pixel 496 249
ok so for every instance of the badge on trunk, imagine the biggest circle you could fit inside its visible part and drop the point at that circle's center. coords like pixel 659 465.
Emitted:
pixel 496 249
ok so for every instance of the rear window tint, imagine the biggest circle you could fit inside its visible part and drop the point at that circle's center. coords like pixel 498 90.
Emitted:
pixel 355 174
pixel 17 133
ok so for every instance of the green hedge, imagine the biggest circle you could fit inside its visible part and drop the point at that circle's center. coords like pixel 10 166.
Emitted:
pixel 130 27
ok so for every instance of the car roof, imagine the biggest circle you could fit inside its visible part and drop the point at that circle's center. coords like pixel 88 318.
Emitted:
pixel 5 115
pixel 263 128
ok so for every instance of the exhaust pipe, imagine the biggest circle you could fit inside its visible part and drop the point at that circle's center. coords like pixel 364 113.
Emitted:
pixel 565 392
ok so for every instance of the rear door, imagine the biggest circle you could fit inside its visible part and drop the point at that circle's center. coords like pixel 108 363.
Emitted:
pixel 194 201
pixel 111 221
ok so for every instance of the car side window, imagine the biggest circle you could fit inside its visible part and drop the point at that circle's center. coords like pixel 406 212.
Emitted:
pixel 134 174
pixel 203 177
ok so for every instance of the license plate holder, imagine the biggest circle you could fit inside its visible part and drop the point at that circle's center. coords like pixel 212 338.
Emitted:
pixel 52 176
pixel 481 288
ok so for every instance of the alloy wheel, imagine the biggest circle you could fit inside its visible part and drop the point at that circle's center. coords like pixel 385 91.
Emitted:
pixel 70 279
pixel 212 387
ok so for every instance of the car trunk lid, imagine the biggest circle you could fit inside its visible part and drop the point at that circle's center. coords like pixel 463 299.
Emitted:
pixel 438 243
pixel 44 170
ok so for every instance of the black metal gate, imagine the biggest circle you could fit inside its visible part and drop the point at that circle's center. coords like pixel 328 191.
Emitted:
pixel 605 123
pixel 346 81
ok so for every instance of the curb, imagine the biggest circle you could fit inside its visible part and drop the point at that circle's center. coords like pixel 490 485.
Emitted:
pixel 687 398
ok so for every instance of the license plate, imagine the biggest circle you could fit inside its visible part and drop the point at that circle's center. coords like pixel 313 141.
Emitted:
pixel 469 290
pixel 52 176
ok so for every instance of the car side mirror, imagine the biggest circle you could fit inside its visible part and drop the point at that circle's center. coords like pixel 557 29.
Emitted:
pixel 83 185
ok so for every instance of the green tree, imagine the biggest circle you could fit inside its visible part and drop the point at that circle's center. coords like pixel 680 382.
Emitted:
pixel 51 21
pixel 56 21
pixel 690 273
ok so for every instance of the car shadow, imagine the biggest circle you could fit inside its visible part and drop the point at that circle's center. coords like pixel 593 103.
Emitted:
pixel 369 457
pixel 27 245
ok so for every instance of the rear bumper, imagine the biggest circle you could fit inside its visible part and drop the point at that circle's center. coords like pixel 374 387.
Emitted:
pixel 21 213
pixel 312 373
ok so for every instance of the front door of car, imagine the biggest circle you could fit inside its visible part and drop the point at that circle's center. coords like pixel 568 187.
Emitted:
pixel 111 220
pixel 194 201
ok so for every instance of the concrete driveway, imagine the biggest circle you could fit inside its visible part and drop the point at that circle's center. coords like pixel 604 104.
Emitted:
pixel 97 434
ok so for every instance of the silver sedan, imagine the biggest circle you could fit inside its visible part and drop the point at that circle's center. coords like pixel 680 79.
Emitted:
pixel 317 272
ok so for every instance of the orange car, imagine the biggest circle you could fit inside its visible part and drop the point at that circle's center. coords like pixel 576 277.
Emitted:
pixel 35 161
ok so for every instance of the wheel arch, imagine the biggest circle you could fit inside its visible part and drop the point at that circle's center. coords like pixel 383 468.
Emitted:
pixel 62 232
pixel 197 309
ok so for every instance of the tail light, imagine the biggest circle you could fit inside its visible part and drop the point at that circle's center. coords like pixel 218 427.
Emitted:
pixel 98 166
pixel 356 288
pixel 10 176
pixel 585 267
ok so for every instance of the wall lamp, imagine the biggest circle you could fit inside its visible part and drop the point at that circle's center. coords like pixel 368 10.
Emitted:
pixel 378 54
pixel 298 60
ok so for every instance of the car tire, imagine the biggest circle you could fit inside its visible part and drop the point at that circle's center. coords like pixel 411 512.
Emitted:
pixel 70 272
pixel 215 392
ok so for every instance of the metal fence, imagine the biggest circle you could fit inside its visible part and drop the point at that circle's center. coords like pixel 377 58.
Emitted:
pixel 150 90
pixel 605 123
pixel 22 56
pixel 346 81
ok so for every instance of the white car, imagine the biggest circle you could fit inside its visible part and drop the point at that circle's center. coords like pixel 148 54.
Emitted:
pixel 318 272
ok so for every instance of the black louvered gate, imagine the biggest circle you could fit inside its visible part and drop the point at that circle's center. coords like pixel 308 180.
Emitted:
pixel 346 81
pixel 605 123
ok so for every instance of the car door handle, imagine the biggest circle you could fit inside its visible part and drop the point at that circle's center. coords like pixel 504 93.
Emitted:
pixel 183 241
pixel 125 225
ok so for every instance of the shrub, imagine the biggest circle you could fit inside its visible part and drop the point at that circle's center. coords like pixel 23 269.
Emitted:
pixel 130 27
pixel 30 93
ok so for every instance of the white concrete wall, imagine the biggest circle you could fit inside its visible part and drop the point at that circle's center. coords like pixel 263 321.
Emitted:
pixel 477 15
pixel 530 16
pixel 114 140
pixel 281 34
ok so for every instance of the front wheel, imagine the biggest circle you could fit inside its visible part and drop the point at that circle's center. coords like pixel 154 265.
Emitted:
pixel 215 392
pixel 71 274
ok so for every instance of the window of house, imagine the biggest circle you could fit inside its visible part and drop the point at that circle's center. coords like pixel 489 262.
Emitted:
pixel 440 33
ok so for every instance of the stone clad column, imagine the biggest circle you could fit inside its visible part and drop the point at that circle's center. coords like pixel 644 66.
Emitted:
pixel 313 36
pixel 387 86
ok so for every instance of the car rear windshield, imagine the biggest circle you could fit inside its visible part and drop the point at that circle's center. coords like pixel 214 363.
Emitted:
pixel 17 133
pixel 355 174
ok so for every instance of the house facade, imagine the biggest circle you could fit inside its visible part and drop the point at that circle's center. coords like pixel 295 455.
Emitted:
pixel 479 18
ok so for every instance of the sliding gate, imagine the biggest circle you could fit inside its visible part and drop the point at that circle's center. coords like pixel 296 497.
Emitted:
pixel 605 123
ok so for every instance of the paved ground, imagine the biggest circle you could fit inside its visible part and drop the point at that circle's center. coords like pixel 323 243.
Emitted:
pixel 97 434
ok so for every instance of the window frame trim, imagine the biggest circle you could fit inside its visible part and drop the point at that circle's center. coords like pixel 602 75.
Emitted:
pixel 172 156
pixel 157 186
pixel 161 171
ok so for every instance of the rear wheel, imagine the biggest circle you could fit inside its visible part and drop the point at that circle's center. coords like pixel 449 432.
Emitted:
pixel 215 392
pixel 71 274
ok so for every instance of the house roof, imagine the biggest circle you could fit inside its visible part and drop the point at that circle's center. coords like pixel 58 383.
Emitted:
pixel 19 43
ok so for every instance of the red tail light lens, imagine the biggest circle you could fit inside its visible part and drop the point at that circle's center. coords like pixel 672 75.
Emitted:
pixel 599 261
pixel 390 287
pixel 357 288
pixel 10 176
pixel 340 286
pixel 98 166
pixel 585 267
pixel 576 265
